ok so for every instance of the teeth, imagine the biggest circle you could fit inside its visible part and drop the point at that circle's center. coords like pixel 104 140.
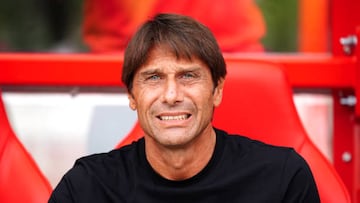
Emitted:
pixel 168 118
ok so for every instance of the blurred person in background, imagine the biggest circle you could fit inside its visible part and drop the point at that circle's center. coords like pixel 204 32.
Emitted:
pixel 238 25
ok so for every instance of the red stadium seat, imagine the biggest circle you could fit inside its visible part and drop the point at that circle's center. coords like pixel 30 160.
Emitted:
pixel 258 103
pixel 20 178
pixel 133 135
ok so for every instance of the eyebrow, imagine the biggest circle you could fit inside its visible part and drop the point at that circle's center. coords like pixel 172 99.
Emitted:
pixel 180 70
pixel 191 69
pixel 149 72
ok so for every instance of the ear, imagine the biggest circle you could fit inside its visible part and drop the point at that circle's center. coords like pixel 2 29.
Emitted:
pixel 132 102
pixel 218 92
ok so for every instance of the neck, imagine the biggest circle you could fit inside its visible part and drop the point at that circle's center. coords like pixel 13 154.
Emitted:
pixel 183 162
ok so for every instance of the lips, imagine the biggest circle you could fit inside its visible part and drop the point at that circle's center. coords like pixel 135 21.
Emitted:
pixel 174 117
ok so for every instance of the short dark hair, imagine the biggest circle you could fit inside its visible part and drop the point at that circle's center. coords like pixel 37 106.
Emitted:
pixel 182 35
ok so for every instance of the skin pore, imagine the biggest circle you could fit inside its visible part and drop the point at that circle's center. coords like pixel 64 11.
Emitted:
pixel 174 99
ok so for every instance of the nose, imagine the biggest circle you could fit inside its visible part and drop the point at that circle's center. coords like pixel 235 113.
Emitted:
pixel 172 92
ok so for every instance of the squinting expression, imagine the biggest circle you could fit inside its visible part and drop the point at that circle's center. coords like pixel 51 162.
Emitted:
pixel 174 98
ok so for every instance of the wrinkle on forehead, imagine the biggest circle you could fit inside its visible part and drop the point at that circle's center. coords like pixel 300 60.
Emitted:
pixel 156 56
pixel 180 53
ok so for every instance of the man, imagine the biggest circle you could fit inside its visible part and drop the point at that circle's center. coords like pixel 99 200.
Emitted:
pixel 174 72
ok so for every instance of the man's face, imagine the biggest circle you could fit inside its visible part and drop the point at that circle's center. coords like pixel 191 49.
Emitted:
pixel 174 98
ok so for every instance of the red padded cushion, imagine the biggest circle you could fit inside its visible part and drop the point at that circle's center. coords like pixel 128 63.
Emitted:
pixel 258 103
pixel 20 178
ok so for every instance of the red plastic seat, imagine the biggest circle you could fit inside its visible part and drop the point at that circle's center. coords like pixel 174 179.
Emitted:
pixel 135 134
pixel 20 178
pixel 258 103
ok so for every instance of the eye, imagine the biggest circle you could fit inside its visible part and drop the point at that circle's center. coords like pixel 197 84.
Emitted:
pixel 154 77
pixel 188 75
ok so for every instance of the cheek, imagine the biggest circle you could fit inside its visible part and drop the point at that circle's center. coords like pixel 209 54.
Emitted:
pixel 145 98
pixel 203 98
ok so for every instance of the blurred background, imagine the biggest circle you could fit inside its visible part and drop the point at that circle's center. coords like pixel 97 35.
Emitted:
pixel 59 125
pixel 55 26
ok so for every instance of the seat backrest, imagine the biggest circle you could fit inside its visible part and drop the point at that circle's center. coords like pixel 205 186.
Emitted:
pixel 20 178
pixel 258 103
pixel 135 134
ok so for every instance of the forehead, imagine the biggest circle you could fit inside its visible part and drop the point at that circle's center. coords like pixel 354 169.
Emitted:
pixel 162 58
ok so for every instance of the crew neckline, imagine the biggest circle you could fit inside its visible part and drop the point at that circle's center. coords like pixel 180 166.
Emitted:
pixel 219 147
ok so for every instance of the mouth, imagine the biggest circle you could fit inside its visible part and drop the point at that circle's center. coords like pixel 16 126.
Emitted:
pixel 174 117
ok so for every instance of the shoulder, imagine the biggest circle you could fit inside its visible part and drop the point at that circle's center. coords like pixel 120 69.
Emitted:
pixel 99 172
pixel 282 168
pixel 112 160
pixel 105 166
pixel 251 150
pixel 247 144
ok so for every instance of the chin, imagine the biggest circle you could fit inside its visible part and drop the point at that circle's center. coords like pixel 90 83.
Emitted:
pixel 174 139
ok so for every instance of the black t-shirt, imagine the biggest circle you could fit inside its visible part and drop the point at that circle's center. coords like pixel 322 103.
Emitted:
pixel 240 170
